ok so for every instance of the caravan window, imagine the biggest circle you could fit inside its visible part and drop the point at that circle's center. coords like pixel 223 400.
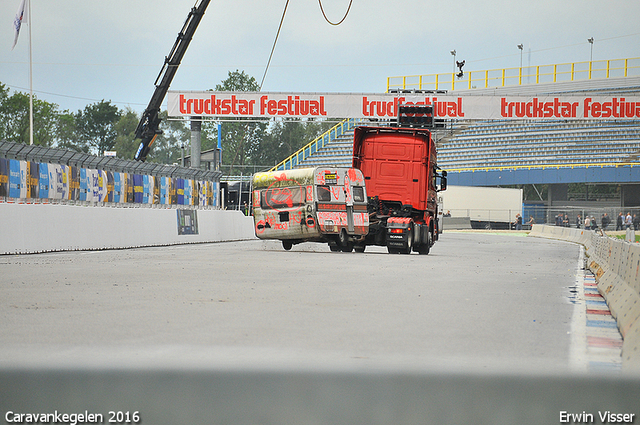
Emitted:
pixel 358 194
pixel 324 194
pixel 283 197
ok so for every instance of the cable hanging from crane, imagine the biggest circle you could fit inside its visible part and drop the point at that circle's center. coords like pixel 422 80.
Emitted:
pixel 342 20
pixel 284 12
pixel 274 44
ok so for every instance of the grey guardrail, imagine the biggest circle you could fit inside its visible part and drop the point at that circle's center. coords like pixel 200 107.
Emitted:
pixel 616 265
pixel 276 397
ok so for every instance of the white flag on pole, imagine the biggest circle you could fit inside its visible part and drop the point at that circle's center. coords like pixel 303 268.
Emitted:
pixel 21 17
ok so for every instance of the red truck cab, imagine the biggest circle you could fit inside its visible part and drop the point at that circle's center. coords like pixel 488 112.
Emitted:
pixel 400 171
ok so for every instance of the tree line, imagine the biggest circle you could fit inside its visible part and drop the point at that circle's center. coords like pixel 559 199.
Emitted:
pixel 102 126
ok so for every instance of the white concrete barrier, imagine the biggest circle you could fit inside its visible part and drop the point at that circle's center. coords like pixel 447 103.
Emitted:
pixel 616 265
pixel 274 396
pixel 32 228
pixel 456 223
pixel 536 230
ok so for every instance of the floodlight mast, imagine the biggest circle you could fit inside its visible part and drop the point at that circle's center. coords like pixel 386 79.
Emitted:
pixel 149 126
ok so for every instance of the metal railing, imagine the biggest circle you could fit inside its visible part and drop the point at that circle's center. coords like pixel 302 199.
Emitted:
pixel 574 216
pixel 35 153
pixel 542 166
pixel 564 216
pixel 316 144
pixel 491 78
pixel 233 173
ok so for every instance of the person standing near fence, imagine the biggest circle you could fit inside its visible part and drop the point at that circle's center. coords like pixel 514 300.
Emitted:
pixel 531 221
pixel 587 222
pixel 628 222
pixel 619 221
pixel 518 222
pixel 579 222
pixel 604 221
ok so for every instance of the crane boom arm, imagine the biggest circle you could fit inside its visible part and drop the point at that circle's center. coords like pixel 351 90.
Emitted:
pixel 149 126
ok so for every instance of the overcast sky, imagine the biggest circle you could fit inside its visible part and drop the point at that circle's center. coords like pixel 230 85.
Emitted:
pixel 86 51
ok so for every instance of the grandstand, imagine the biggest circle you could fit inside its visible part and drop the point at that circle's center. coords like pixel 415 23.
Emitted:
pixel 336 153
pixel 506 144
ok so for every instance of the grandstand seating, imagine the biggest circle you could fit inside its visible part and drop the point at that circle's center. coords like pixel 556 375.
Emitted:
pixel 508 144
pixel 531 143
pixel 514 144
pixel 336 153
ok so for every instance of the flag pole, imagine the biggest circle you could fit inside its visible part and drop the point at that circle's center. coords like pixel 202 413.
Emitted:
pixel 30 78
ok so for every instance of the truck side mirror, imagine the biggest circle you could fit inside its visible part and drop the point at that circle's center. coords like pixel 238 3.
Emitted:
pixel 443 180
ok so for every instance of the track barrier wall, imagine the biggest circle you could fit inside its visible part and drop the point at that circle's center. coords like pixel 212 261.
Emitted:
pixel 34 228
pixel 291 396
pixel 61 200
pixel 616 265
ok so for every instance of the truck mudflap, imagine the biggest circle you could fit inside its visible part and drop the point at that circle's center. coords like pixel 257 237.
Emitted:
pixel 400 235
pixel 404 235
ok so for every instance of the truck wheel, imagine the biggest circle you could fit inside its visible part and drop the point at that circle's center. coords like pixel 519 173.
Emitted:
pixel 287 245
pixel 347 248
pixel 426 245
pixel 360 248
pixel 343 238
pixel 343 241
pixel 418 237
pixel 409 245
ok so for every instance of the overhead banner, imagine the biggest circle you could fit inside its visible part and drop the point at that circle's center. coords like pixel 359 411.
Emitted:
pixel 223 105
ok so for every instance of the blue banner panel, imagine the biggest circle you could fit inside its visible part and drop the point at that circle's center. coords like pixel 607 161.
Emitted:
pixel 215 190
pixel 180 191
pixel 17 179
pixel 188 195
pixel 117 187
pixel 137 188
pixel 146 190
pixel 164 190
pixel 84 185
pixel 43 184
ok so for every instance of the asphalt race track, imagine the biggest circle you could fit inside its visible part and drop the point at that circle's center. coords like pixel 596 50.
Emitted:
pixel 478 300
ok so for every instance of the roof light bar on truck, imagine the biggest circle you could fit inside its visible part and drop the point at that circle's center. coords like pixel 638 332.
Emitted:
pixel 418 116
